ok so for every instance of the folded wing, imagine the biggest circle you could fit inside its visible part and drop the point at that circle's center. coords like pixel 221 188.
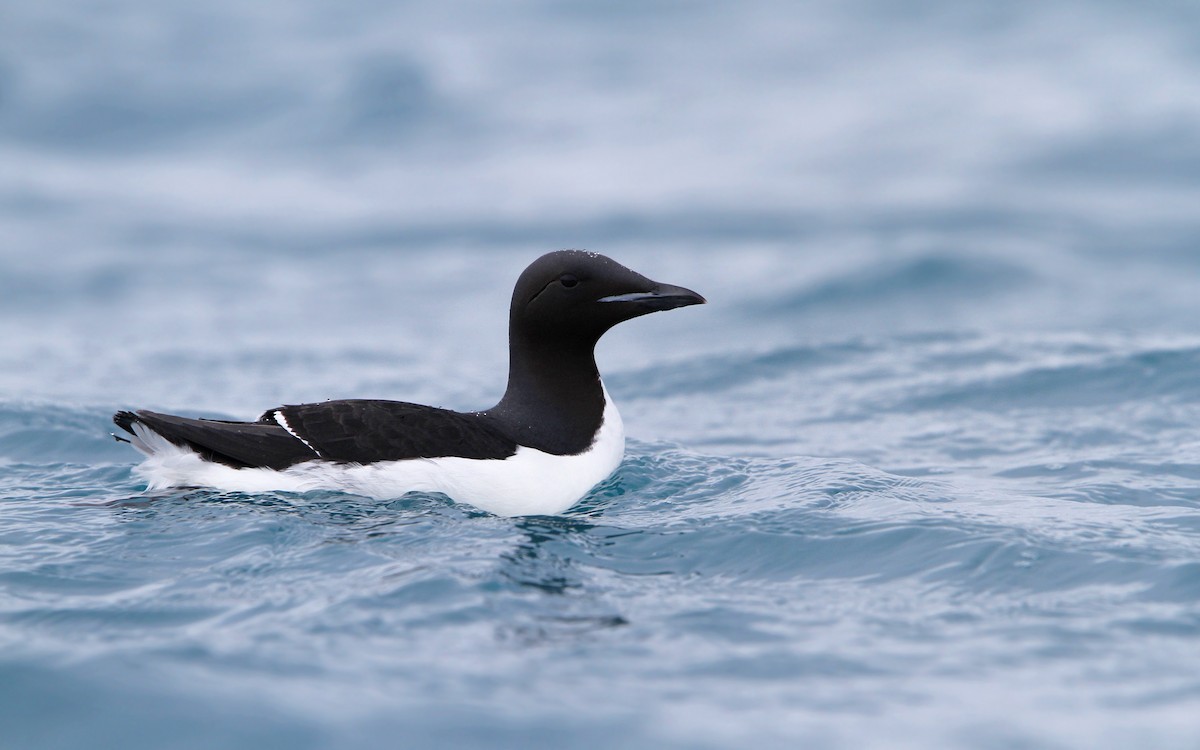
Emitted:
pixel 352 431
pixel 365 431
pixel 237 444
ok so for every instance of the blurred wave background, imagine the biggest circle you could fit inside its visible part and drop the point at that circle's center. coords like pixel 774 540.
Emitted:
pixel 937 238
pixel 784 154
pixel 143 126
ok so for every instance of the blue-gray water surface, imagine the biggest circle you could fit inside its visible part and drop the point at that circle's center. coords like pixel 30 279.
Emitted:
pixel 924 473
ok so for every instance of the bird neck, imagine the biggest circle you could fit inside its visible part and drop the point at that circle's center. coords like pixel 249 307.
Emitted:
pixel 555 400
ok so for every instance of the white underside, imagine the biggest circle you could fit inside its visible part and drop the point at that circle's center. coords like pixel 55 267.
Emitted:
pixel 527 483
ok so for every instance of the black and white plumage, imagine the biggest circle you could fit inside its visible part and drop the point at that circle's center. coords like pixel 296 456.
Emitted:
pixel 553 436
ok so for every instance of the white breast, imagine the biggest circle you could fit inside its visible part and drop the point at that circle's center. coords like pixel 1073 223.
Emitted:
pixel 529 482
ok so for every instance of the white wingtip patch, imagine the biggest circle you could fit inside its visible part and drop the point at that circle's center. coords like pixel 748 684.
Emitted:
pixel 282 422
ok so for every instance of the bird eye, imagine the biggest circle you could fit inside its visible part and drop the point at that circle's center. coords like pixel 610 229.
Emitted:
pixel 568 280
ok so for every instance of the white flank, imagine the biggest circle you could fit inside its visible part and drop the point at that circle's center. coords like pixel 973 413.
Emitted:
pixel 527 483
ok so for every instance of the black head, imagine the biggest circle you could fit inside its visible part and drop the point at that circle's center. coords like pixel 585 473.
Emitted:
pixel 580 295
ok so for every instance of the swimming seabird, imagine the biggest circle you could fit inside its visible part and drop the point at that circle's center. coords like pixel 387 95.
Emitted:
pixel 553 436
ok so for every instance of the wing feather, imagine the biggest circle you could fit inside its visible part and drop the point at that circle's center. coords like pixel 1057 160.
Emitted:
pixel 367 430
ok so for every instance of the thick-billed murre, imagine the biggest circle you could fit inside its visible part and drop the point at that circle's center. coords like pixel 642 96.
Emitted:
pixel 554 435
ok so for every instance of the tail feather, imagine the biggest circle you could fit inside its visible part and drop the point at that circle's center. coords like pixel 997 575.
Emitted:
pixel 124 420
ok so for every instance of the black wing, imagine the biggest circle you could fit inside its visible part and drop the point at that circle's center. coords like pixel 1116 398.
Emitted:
pixel 238 444
pixel 364 431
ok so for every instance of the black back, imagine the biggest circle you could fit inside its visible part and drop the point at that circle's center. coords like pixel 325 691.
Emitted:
pixel 365 431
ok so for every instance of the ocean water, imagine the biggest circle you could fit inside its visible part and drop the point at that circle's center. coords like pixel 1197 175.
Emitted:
pixel 924 473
